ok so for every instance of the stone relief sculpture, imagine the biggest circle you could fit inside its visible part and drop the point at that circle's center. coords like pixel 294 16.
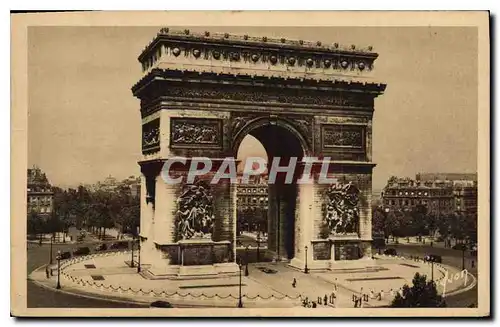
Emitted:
pixel 192 133
pixel 151 136
pixel 342 213
pixel 350 137
pixel 195 216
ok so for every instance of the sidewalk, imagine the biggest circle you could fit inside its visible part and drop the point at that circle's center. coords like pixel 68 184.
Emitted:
pixel 268 284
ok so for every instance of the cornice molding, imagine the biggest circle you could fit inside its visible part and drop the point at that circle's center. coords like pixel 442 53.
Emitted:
pixel 282 44
pixel 257 56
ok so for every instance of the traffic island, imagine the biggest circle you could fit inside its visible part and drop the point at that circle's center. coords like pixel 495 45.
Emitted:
pixel 107 276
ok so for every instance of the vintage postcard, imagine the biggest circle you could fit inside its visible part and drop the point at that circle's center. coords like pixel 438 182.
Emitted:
pixel 250 164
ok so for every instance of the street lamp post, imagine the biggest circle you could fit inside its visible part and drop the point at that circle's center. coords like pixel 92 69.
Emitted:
pixel 463 256
pixel 58 258
pixel 246 260
pixel 306 270
pixel 132 256
pixel 139 256
pixel 432 269
pixel 50 259
pixel 240 302
pixel 258 245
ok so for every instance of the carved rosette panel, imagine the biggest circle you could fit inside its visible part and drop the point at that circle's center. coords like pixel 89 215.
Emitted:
pixel 151 136
pixel 195 213
pixel 341 213
pixel 194 132
pixel 343 137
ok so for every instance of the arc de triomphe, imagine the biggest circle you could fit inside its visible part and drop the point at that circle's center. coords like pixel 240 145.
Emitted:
pixel 200 95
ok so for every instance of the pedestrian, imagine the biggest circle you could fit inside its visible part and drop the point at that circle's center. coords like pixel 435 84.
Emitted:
pixel 325 300
pixel 294 283
pixel 47 272
pixel 472 264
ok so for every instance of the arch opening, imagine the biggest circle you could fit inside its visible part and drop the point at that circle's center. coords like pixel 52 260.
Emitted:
pixel 276 141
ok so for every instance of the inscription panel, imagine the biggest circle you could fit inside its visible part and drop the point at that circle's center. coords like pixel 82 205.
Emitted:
pixel 322 251
pixel 344 141
pixel 196 132
pixel 343 136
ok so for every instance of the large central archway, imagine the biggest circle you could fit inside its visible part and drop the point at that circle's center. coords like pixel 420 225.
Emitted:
pixel 281 142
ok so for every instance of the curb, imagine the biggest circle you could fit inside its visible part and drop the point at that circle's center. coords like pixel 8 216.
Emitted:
pixel 143 302
pixel 82 293
pixel 465 289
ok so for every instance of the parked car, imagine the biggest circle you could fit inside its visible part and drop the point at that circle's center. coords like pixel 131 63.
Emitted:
pixel 65 255
pixel 390 251
pixel 161 304
pixel 459 246
pixel 82 251
pixel 473 249
pixel 433 258
pixel 118 246
pixel 101 247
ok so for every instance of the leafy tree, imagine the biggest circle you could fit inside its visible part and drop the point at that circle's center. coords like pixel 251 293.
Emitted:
pixel 394 223
pixel 34 224
pixel 470 227
pixel 423 294
pixel 379 220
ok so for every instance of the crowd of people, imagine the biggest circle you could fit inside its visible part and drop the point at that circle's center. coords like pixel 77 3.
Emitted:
pixel 321 300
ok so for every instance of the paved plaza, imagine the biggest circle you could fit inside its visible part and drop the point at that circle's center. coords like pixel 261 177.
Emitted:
pixel 108 275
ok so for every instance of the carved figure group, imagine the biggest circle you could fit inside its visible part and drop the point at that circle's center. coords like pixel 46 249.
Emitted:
pixel 151 137
pixel 342 213
pixel 195 134
pixel 195 216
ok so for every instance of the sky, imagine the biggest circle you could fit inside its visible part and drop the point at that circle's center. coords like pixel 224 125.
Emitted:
pixel 84 123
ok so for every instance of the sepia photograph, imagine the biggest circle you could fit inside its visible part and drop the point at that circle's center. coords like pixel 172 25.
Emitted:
pixel 208 164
